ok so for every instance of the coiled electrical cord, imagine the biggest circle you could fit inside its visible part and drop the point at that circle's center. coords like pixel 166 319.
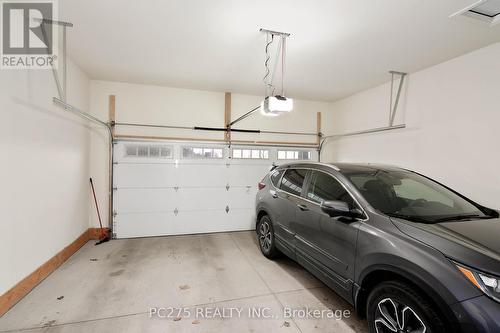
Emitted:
pixel 266 64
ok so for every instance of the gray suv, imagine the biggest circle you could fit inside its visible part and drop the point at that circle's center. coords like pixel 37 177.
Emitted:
pixel 409 253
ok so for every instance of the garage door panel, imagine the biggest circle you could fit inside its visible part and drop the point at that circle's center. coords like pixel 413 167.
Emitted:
pixel 145 200
pixel 233 220
pixel 174 195
pixel 200 198
pixel 199 175
pixel 130 225
pixel 145 175
pixel 242 219
pixel 243 175
pixel 241 197
pixel 202 221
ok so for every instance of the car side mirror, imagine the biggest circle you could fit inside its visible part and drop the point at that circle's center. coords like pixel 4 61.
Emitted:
pixel 340 209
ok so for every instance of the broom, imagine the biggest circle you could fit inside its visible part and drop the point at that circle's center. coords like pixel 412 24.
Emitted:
pixel 104 233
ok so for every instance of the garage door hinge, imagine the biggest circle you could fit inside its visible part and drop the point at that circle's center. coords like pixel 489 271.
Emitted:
pixel 228 164
pixel 115 188
pixel 227 187
pixel 114 213
pixel 176 211
pixel 176 188
pixel 227 209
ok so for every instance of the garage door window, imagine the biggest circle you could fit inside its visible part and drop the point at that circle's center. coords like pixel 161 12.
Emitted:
pixel 156 151
pixel 293 181
pixel 201 153
pixel 255 154
pixel 294 155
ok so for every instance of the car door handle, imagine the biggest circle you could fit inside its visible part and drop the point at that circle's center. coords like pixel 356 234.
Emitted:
pixel 303 207
pixel 273 194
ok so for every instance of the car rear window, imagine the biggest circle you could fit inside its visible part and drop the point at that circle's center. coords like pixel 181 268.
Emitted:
pixel 293 181
pixel 276 176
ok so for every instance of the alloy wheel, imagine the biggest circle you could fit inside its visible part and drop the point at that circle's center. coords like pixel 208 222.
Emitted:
pixel 265 236
pixel 392 316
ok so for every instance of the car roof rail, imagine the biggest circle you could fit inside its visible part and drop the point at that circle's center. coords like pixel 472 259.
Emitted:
pixel 292 164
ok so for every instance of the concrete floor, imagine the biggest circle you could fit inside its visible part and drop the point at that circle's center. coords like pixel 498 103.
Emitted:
pixel 111 288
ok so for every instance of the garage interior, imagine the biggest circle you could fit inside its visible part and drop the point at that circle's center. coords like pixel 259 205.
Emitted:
pixel 159 104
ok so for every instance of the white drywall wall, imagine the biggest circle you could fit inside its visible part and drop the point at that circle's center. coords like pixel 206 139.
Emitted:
pixel 44 170
pixel 452 113
pixel 138 103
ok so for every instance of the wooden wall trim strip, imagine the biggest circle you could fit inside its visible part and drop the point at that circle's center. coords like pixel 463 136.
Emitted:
pixel 318 127
pixel 16 293
pixel 112 112
pixel 111 121
pixel 227 116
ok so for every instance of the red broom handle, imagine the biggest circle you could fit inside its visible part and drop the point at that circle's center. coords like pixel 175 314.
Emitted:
pixel 96 205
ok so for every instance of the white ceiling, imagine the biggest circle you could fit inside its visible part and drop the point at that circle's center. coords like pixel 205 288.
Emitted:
pixel 337 47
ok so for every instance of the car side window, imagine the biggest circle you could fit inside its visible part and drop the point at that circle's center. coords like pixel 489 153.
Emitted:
pixel 293 181
pixel 276 176
pixel 324 187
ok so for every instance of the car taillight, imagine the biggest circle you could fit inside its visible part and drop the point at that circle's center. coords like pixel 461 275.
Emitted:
pixel 261 185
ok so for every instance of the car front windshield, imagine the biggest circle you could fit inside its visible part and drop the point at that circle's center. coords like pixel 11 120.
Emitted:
pixel 407 195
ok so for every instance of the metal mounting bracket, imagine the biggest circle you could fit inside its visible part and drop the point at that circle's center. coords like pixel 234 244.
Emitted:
pixel 61 102
pixel 393 107
pixel 62 90
pixel 276 33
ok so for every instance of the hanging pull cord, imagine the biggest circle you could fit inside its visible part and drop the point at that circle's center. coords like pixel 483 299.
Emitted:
pixel 267 84
pixel 278 51
pixel 283 55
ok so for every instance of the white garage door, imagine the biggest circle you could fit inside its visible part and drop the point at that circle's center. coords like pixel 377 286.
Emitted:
pixel 167 188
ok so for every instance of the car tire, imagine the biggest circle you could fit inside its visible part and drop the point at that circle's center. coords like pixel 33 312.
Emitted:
pixel 395 306
pixel 265 237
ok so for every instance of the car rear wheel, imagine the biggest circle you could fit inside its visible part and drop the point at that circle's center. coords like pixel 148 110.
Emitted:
pixel 265 234
pixel 396 307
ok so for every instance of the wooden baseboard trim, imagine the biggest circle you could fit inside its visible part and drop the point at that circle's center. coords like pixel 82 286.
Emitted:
pixel 16 293
pixel 97 233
